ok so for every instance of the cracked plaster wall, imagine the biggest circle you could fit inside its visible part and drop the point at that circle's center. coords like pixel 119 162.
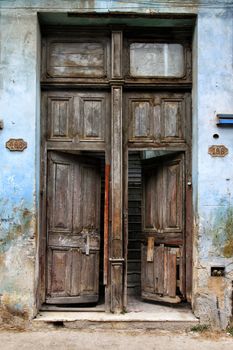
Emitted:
pixel 18 109
pixel 213 177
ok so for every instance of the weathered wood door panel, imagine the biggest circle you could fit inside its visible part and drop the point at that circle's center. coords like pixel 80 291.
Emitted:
pixel 157 117
pixel 163 228
pixel 73 229
pixel 76 57
pixel 76 116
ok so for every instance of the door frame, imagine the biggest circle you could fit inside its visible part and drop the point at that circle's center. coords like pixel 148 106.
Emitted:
pixel 186 149
pixel 116 288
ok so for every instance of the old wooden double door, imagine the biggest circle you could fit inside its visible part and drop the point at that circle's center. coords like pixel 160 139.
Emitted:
pixel 101 95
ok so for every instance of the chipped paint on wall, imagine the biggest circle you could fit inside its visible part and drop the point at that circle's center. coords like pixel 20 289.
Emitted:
pixel 17 177
pixel 19 223
pixel 17 256
pixel 217 227
pixel 222 232
pixel 212 177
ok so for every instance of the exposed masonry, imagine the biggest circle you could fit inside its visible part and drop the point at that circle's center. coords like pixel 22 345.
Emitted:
pixel 212 177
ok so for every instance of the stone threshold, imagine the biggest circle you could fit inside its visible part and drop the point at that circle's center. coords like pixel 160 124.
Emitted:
pixel 173 320
pixel 140 315
pixel 56 316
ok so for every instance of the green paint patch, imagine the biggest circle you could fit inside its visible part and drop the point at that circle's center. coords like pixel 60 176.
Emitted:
pixel 228 248
pixel 229 330
pixel 15 224
pixel 200 328
pixel 221 230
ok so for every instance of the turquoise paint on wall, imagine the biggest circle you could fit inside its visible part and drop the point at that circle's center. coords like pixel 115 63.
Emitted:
pixel 18 91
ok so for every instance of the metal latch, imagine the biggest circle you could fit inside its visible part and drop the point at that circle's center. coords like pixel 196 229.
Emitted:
pixel 87 245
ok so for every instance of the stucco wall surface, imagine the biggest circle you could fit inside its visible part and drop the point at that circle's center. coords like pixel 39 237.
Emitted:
pixel 212 177
pixel 142 6
pixel 18 97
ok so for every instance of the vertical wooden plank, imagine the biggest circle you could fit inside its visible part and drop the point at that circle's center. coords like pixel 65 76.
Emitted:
pixel 156 269
pixel 116 201
pixel 147 273
pixel 78 199
pixel 68 269
pixel 143 269
pixel 59 267
pixel 43 59
pixel 60 185
pixel 116 172
pixel 43 218
pixel 125 209
pixel 160 268
pixel 116 287
pixel 171 272
pixel 146 202
pixel 152 207
pixel 90 194
pixel 108 161
pixel 76 272
pixel 90 273
pixel 116 55
pixel 181 270
pixel 150 249
pixel 141 119
pixel 160 205
pixel 165 272
pixel 106 223
pixel 49 271
pixel 188 248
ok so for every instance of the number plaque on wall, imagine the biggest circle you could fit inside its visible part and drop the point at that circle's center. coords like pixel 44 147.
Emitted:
pixel 218 151
pixel 16 145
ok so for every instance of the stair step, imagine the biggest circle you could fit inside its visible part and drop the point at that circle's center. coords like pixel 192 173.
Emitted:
pixel 170 320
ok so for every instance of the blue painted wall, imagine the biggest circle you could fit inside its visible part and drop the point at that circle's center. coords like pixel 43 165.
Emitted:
pixel 213 177
pixel 18 109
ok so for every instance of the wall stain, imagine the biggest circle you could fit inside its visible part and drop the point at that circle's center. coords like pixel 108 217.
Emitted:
pixel 217 287
pixel 219 227
pixel 19 222
pixel 13 315
pixel 228 248
pixel 223 238
pixel 17 240
pixel 16 308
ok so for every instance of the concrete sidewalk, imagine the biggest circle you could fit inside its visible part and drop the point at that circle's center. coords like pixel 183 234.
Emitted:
pixel 67 339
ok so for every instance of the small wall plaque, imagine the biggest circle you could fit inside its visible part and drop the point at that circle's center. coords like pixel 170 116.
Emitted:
pixel 218 151
pixel 16 145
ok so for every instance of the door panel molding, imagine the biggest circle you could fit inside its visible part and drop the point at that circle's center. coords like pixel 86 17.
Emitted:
pixel 73 250
pixel 163 220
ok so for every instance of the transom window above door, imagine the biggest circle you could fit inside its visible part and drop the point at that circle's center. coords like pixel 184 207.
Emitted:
pixel 84 56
